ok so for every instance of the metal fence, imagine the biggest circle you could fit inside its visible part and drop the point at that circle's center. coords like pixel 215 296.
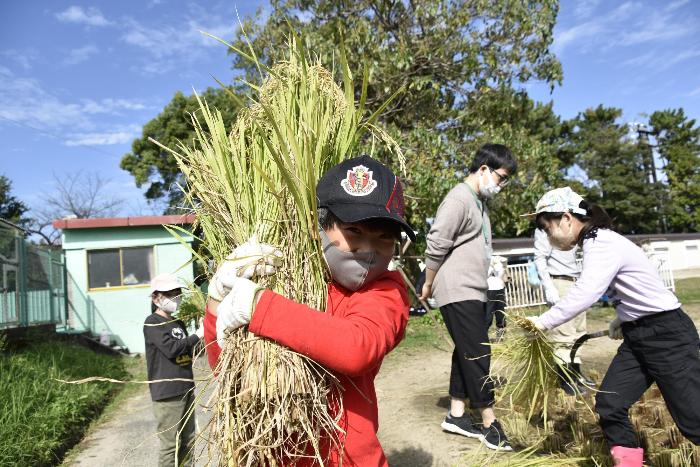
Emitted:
pixel 32 283
pixel 520 294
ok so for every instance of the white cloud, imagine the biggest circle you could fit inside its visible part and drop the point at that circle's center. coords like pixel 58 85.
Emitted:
pixel 631 23
pixel 694 92
pixel 80 54
pixel 584 8
pixel 25 58
pixel 90 16
pixel 24 101
pixel 169 45
pixel 662 59
pixel 120 136
pixel 676 5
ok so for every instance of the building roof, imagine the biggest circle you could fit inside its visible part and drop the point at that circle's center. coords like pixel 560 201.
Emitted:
pixel 138 221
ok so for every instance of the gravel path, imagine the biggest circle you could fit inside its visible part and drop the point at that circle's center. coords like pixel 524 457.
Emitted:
pixel 127 438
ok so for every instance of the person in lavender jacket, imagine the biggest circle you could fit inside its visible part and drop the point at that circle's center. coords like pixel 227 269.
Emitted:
pixel 660 342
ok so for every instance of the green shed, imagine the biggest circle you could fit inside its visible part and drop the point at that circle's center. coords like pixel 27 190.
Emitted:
pixel 109 264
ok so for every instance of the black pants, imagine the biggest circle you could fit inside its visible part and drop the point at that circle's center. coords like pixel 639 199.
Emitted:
pixel 494 306
pixel 661 348
pixel 471 358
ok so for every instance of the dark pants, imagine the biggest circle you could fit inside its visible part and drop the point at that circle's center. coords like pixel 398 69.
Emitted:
pixel 495 306
pixel 661 348
pixel 176 429
pixel 471 358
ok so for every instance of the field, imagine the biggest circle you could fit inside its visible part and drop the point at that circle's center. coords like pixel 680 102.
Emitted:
pixel 412 391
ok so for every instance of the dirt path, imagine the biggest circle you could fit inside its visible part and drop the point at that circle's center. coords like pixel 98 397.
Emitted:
pixel 412 393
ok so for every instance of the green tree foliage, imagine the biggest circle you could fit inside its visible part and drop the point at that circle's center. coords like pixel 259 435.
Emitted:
pixel 11 209
pixel 614 166
pixel 678 141
pixel 155 168
pixel 457 62
pixel 438 50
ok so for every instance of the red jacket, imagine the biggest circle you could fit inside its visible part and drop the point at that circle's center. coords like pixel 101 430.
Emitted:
pixel 351 339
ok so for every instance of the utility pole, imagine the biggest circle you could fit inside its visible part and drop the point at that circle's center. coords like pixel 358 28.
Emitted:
pixel 647 152
pixel 650 167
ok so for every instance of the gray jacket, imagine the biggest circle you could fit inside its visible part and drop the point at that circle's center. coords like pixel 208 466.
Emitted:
pixel 459 246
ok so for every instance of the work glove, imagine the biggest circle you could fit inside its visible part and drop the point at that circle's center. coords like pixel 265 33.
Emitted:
pixel 535 320
pixel 615 329
pixel 236 308
pixel 551 295
pixel 247 260
pixel 199 331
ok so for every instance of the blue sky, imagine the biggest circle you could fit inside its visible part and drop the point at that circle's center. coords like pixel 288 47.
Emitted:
pixel 79 79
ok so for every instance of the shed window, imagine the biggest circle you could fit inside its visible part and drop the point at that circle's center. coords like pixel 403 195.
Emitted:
pixel 120 267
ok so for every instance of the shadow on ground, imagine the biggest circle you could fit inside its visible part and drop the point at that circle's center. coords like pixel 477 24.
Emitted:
pixel 410 457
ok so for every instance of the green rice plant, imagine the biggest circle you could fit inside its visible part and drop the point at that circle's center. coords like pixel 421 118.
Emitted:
pixel 192 307
pixel 257 179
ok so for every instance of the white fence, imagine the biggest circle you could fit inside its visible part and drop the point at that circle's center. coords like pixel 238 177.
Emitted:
pixel 520 294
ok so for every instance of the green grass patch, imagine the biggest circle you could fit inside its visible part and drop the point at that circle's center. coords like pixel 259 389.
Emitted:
pixel 688 290
pixel 425 331
pixel 41 417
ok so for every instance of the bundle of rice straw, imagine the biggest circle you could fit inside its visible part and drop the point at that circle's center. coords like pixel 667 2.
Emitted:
pixel 258 179
pixel 526 368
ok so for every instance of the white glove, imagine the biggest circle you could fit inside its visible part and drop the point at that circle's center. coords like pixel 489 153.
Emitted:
pixel 535 320
pixel 236 308
pixel 199 331
pixel 551 295
pixel 615 329
pixel 247 260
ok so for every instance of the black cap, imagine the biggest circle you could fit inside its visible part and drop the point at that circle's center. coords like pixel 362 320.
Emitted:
pixel 362 188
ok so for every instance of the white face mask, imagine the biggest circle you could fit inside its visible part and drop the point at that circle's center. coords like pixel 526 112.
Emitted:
pixel 487 187
pixel 561 240
pixel 169 305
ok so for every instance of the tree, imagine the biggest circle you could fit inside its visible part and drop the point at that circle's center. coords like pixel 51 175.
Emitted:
pixel 152 166
pixel 614 165
pixel 678 142
pixel 11 209
pixel 78 195
pixel 439 51
pixel 457 62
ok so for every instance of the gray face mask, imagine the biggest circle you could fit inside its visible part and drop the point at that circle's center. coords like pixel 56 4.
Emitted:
pixel 353 270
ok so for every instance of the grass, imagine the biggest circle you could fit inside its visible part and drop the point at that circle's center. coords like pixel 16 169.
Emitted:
pixel 688 290
pixel 41 418
pixel 424 332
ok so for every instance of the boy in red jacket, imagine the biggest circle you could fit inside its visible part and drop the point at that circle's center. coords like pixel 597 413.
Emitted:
pixel 361 210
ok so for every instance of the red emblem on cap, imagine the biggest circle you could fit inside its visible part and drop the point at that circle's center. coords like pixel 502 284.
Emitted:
pixel 358 181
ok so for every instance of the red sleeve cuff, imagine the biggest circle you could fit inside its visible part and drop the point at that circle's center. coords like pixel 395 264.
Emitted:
pixel 257 321
pixel 212 346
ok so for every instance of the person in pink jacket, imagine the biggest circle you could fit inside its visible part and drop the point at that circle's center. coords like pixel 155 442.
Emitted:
pixel 660 341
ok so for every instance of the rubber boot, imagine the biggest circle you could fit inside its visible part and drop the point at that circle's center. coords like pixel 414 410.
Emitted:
pixel 627 457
